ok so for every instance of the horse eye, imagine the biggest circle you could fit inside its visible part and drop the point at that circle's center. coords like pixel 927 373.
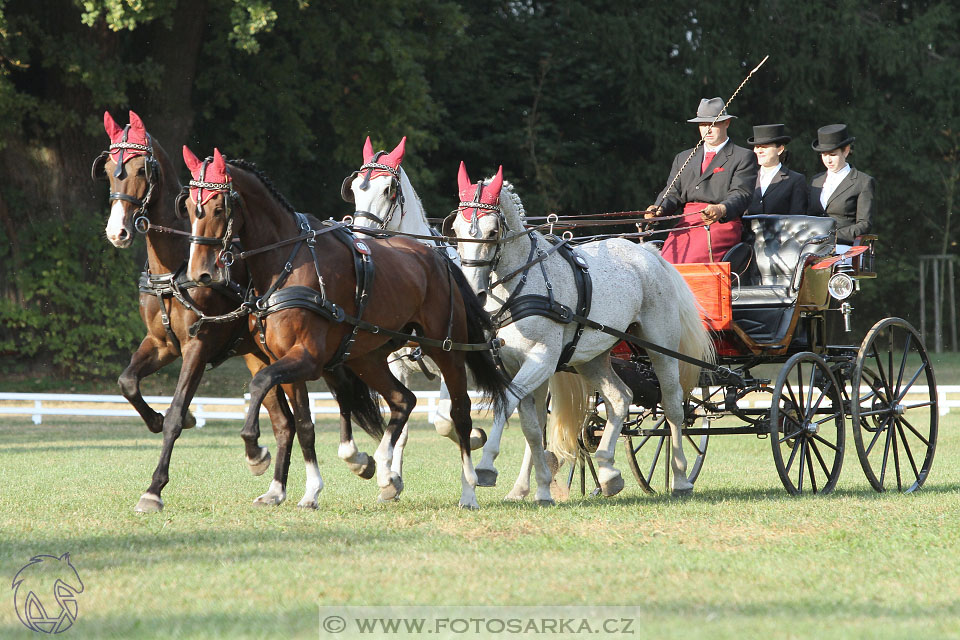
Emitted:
pixel 142 171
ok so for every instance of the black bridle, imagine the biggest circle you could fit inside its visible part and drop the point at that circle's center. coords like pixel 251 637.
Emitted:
pixel 151 168
pixel 494 209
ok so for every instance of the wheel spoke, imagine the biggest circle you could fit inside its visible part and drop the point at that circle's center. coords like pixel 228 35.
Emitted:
pixel 803 450
pixel 915 432
pixel 792 398
pixel 823 464
pixel 810 470
pixel 918 406
pixel 832 416
pixel 903 361
pixel 800 405
pixel 909 385
pixel 877 435
pixel 793 454
pixel 906 447
pixel 810 388
pixel 880 374
pixel 896 456
pixel 640 446
pixel 886 454
pixel 790 436
pixel 825 442
pixel 656 457
pixel 693 444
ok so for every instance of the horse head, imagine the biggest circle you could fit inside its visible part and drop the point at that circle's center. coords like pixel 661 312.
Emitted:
pixel 132 170
pixel 478 217
pixel 209 202
pixel 375 189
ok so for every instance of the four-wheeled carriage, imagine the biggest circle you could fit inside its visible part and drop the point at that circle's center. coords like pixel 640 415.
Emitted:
pixel 771 305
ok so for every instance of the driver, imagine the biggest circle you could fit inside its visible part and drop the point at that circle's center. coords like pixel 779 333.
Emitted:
pixel 714 189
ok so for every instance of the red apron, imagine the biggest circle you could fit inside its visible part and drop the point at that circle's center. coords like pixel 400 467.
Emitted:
pixel 690 245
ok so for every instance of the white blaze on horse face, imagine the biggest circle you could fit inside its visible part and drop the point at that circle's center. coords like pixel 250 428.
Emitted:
pixel 117 224
pixel 374 199
pixel 478 277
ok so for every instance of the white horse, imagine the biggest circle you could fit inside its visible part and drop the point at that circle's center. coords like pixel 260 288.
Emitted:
pixel 634 290
pixel 384 198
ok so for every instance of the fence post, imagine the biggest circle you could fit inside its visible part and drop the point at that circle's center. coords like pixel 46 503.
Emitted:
pixel 38 417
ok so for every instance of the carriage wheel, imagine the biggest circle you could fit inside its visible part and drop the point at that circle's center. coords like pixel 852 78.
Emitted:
pixel 895 435
pixel 649 455
pixel 807 425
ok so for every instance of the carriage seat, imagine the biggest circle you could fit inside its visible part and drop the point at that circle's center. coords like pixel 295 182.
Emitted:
pixel 764 304
pixel 781 245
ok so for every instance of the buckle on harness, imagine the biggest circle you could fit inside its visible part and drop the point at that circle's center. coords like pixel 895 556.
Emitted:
pixel 447 345
pixel 141 224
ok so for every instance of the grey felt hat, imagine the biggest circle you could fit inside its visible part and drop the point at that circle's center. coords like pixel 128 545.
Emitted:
pixel 709 109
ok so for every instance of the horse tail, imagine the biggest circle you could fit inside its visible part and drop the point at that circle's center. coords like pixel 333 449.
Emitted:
pixel 695 340
pixel 356 397
pixel 568 410
pixel 489 379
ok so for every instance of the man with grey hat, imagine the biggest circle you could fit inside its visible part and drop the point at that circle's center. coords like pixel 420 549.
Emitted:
pixel 841 192
pixel 713 190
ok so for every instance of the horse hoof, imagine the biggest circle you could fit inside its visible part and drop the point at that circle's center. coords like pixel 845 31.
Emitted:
pixel 368 470
pixel 516 495
pixel 546 502
pixel 189 420
pixel 308 504
pixel 612 487
pixel 268 500
pixel 682 493
pixel 486 477
pixel 149 503
pixel 559 491
pixel 156 424
pixel 470 506
pixel 258 467
pixel 478 438
pixel 392 491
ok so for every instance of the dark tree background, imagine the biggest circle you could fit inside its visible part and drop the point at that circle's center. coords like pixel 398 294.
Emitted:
pixel 584 103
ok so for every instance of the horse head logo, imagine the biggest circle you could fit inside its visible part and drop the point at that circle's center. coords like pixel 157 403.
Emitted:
pixel 45 593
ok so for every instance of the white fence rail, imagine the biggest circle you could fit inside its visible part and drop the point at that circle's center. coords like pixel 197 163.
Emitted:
pixel 38 405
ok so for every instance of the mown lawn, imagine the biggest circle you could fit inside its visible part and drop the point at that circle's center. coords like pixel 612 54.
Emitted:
pixel 739 559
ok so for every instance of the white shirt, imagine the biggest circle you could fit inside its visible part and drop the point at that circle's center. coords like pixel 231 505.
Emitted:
pixel 830 183
pixel 707 147
pixel 766 176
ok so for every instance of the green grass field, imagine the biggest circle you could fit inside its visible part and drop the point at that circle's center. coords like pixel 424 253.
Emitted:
pixel 740 559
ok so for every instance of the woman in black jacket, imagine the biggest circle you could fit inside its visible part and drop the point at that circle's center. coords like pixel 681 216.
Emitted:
pixel 841 192
pixel 779 190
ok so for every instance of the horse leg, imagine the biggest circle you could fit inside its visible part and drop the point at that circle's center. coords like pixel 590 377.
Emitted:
pixel 194 359
pixel 521 488
pixel 401 401
pixel 300 400
pixel 443 423
pixel 616 396
pixel 668 374
pixel 357 461
pixel 294 366
pixel 146 360
pixel 454 372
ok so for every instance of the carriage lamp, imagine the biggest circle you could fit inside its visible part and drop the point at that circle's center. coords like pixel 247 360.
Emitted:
pixel 840 286
pixel 847 310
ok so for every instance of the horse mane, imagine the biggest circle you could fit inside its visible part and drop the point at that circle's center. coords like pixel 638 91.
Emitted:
pixel 246 165
pixel 511 202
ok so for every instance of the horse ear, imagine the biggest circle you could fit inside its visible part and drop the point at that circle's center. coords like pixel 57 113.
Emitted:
pixel 396 156
pixel 136 123
pixel 193 163
pixel 367 151
pixel 463 180
pixel 497 182
pixel 219 166
pixel 111 127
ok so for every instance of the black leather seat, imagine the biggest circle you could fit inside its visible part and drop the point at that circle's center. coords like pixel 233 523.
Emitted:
pixel 763 304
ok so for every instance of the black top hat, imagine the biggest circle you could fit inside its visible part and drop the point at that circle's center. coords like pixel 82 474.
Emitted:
pixel 709 110
pixel 830 137
pixel 768 134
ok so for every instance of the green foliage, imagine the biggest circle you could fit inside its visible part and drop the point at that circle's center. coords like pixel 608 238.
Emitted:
pixel 80 312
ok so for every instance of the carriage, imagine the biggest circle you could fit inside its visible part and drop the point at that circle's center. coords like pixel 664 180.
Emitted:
pixel 773 305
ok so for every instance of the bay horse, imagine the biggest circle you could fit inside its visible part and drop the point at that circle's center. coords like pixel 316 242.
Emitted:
pixel 533 286
pixel 143 188
pixel 321 305
pixel 384 199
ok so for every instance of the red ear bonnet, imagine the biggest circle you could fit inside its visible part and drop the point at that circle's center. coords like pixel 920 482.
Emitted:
pixel 134 133
pixel 468 192
pixel 209 172
pixel 392 159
